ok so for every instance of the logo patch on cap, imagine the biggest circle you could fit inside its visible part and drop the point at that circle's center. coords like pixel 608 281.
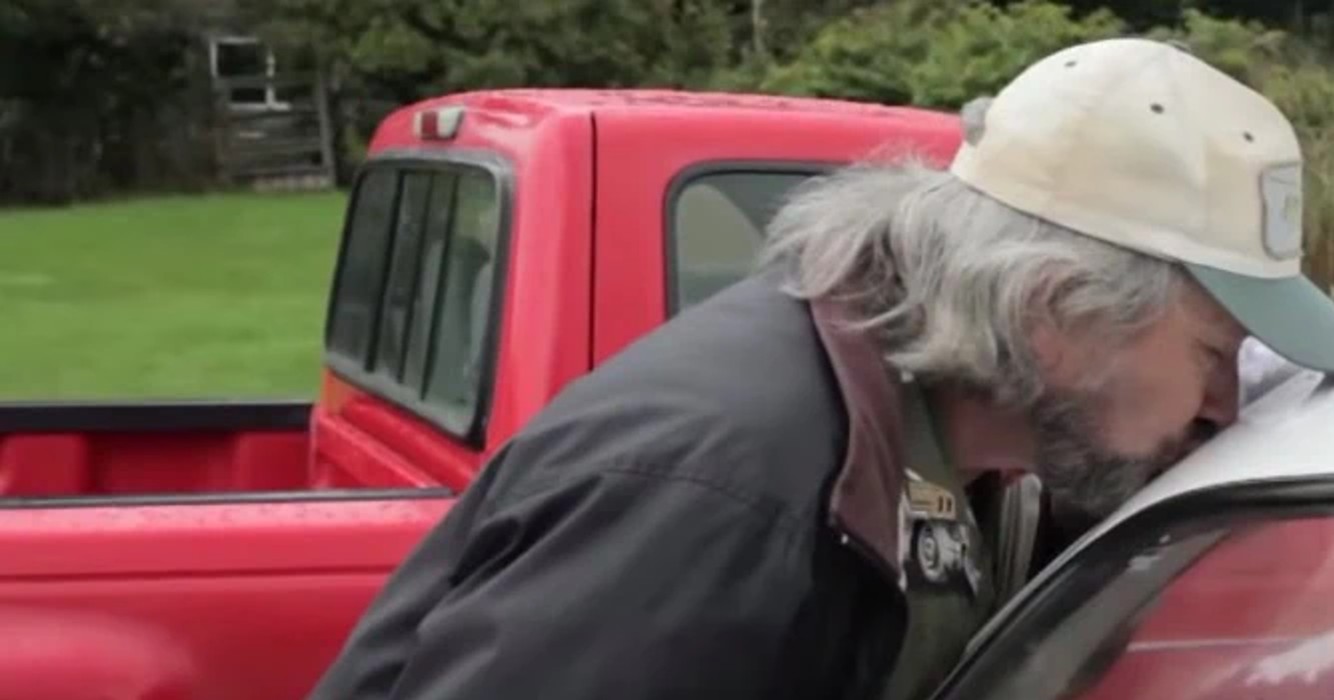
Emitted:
pixel 1281 187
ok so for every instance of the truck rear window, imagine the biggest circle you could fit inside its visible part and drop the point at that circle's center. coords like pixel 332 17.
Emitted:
pixel 413 293
pixel 716 227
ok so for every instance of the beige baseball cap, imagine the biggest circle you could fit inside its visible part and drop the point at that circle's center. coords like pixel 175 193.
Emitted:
pixel 1141 144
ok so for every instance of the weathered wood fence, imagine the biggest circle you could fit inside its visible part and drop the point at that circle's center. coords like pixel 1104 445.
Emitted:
pixel 275 132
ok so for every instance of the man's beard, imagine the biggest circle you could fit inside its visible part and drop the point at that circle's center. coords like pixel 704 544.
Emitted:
pixel 1085 479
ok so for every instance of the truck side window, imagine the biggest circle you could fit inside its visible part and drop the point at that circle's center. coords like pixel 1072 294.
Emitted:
pixel 357 293
pixel 429 273
pixel 717 228
pixel 401 283
pixel 412 300
pixel 464 302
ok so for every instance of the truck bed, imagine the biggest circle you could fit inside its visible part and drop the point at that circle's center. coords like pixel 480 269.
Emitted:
pixel 163 549
pixel 105 449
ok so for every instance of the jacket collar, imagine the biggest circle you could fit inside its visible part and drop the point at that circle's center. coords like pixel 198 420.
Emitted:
pixel 866 501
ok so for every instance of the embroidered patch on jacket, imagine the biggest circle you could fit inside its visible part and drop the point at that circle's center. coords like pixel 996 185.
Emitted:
pixel 939 548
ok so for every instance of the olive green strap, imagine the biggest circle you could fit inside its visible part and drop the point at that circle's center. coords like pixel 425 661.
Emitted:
pixel 942 618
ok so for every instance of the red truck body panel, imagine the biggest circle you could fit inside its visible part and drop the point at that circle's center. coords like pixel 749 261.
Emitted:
pixel 198 600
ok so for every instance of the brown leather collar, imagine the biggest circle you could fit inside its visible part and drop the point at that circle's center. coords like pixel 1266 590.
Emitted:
pixel 868 491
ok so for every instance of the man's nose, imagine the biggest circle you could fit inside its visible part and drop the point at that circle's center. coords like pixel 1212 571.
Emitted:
pixel 1222 401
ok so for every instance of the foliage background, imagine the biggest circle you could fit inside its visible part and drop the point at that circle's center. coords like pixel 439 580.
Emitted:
pixel 99 96
pixel 102 97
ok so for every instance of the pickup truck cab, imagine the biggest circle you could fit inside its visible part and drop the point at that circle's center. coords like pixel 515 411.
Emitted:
pixel 497 246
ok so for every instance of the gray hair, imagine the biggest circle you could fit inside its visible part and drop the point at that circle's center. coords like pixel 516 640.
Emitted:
pixel 954 281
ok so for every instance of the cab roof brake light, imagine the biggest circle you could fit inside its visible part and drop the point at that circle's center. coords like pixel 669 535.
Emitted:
pixel 437 123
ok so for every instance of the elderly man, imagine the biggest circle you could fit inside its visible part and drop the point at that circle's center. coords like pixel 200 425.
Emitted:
pixel 769 497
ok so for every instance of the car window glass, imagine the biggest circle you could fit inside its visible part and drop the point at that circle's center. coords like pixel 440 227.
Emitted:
pixel 357 294
pixel 1238 613
pixel 429 274
pixel 718 222
pixel 415 288
pixel 1251 618
pixel 455 374
pixel 397 304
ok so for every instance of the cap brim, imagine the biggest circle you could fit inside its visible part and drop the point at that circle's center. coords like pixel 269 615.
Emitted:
pixel 1290 315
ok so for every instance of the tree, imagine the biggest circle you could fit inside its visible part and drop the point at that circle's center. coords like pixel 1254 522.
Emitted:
pixel 385 53
pixel 1137 14
pixel 412 48
pixel 867 55
pixel 1276 13
pixel 86 90
pixel 982 47
pixel 932 53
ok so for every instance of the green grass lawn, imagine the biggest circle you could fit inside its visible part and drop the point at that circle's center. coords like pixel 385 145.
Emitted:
pixel 175 297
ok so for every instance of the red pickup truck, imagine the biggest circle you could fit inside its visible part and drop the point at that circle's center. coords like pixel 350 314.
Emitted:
pixel 497 245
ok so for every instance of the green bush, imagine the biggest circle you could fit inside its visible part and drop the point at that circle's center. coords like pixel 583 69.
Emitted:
pixel 932 53
pixel 100 97
pixel 410 49
pixel 983 47
pixel 867 55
